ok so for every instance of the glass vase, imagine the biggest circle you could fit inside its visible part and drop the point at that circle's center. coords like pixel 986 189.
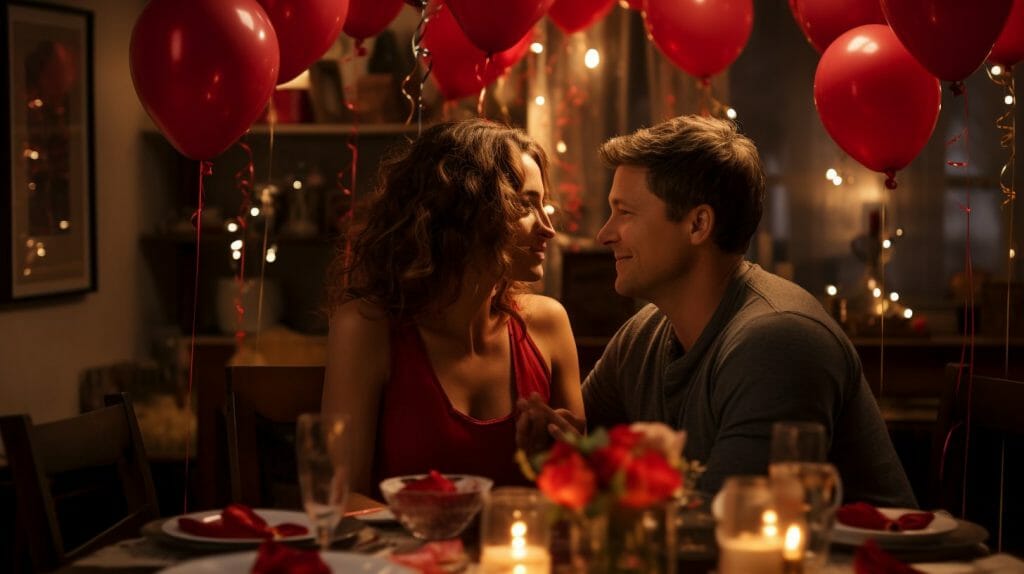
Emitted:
pixel 627 540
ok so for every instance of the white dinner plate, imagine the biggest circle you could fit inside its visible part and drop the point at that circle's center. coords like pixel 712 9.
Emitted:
pixel 381 516
pixel 940 526
pixel 242 562
pixel 273 518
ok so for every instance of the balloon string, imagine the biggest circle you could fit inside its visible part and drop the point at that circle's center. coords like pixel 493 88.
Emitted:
pixel 481 71
pixel 881 320
pixel 244 183
pixel 710 106
pixel 205 169
pixel 418 53
pixel 267 209
pixel 350 214
pixel 1007 125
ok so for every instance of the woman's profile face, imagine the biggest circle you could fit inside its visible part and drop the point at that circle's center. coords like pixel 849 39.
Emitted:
pixel 534 229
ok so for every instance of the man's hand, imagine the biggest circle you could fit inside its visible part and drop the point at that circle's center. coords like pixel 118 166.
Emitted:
pixel 538 424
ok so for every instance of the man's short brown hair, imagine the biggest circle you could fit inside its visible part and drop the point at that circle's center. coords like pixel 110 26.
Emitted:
pixel 694 160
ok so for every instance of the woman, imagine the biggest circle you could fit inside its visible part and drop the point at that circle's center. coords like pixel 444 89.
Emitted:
pixel 431 343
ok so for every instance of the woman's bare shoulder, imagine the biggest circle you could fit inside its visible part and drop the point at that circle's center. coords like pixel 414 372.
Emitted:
pixel 542 313
pixel 359 319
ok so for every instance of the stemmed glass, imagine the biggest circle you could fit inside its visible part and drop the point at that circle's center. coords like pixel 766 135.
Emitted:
pixel 321 452
pixel 807 488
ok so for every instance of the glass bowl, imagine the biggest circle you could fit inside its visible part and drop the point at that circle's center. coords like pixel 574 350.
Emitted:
pixel 434 515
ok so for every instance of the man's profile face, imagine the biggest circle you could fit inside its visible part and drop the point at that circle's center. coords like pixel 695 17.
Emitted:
pixel 651 252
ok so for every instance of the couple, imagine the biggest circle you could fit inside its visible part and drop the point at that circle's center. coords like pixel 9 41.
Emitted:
pixel 443 363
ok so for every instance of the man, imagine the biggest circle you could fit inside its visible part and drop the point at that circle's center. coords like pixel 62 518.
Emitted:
pixel 725 349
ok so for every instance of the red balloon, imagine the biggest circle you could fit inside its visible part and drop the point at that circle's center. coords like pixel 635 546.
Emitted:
pixel 702 37
pixel 951 38
pixel 876 101
pixel 1009 47
pixel 204 70
pixel 456 63
pixel 305 30
pixel 575 15
pixel 637 5
pixel 822 21
pixel 367 18
pixel 497 26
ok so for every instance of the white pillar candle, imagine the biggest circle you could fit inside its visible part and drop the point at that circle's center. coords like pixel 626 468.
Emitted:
pixel 514 559
pixel 750 554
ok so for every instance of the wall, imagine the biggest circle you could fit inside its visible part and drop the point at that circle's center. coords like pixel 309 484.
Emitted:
pixel 44 347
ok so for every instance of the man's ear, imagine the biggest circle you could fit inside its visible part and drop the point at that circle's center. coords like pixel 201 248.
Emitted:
pixel 700 224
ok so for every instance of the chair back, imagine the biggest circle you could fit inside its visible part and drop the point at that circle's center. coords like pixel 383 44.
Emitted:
pixel 986 449
pixel 262 404
pixel 80 483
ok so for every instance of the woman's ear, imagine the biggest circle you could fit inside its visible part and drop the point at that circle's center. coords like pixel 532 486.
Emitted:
pixel 700 224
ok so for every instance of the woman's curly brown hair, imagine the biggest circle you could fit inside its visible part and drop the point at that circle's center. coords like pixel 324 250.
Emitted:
pixel 446 202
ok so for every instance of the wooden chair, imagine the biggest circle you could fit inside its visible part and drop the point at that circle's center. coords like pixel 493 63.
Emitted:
pixel 262 405
pixel 81 483
pixel 994 457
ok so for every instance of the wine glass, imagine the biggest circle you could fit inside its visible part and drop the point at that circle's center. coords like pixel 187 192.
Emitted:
pixel 321 452
pixel 807 488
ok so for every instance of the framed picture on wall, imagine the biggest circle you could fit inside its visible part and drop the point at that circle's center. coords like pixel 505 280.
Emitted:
pixel 47 194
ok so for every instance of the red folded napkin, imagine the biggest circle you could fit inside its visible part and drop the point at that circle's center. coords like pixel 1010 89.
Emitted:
pixel 239 521
pixel 276 558
pixel 863 515
pixel 432 557
pixel 871 559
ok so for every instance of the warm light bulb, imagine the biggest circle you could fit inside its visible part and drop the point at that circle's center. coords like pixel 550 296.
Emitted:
pixel 1008 100
pixel 64 224
pixel 899 232
pixel 232 227
pixel 908 313
pixel 560 147
pixel 831 290
pixel 831 173
pixel 271 256
pixel 886 243
pixel 537 48
pixel 876 292
pixel 236 245
pixel 592 58
pixel 894 296
pixel 872 283
pixel 549 209
pixel 1013 253
pixel 730 113
pixel 996 70
pixel 236 255
pixel 254 211
pixel 297 184
pixel 837 180
pixel 539 100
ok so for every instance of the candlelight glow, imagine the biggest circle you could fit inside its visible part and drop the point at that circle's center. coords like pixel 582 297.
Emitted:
pixel 794 541
pixel 770 524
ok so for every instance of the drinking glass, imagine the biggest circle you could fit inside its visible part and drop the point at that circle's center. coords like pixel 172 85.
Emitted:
pixel 807 489
pixel 321 449
pixel 797 441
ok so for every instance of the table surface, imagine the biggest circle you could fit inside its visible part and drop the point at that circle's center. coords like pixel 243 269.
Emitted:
pixel 156 550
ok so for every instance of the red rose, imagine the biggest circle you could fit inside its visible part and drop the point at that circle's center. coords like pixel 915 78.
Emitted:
pixel 649 479
pixel 566 479
pixel 608 460
pixel 622 436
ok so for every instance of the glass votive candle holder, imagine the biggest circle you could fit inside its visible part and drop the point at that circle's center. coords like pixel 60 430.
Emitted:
pixel 515 532
pixel 750 539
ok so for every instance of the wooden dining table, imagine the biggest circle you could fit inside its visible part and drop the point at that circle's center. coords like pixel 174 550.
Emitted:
pixel 153 551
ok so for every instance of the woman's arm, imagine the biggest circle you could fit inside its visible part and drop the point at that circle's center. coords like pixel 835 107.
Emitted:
pixel 357 369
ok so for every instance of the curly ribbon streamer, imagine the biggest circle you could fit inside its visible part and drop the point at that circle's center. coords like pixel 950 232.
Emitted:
pixel 244 179
pixel 710 106
pixel 1007 125
pixel 205 169
pixel 418 53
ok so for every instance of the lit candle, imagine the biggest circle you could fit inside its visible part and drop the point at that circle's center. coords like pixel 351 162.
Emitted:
pixel 517 557
pixel 750 554
pixel 793 550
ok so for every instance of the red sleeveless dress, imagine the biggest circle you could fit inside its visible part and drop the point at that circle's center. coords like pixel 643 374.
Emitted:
pixel 418 429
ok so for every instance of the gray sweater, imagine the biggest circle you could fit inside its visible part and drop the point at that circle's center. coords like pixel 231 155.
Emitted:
pixel 769 353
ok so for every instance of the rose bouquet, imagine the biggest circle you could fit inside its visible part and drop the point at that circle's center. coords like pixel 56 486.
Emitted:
pixel 615 484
